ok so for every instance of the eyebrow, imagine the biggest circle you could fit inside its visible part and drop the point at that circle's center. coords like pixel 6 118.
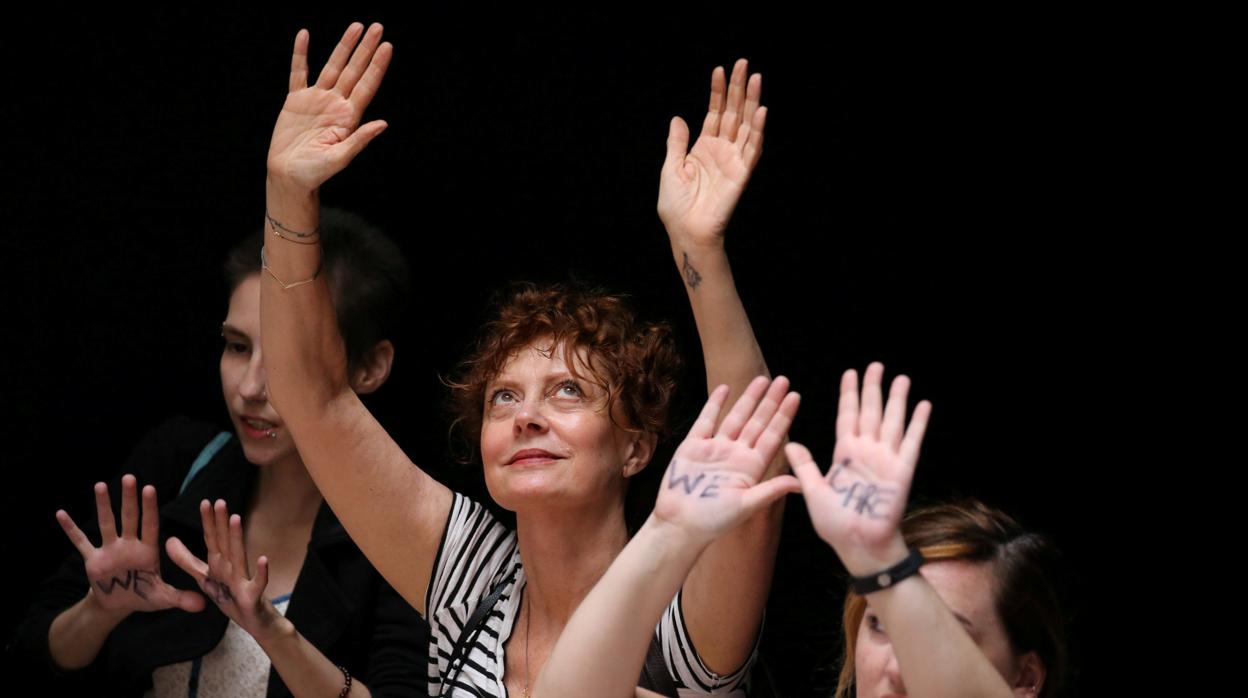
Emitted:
pixel 227 328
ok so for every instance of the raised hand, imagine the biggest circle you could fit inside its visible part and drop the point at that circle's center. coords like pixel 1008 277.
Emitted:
pixel 224 577
pixel 124 572
pixel 712 482
pixel 857 507
pixel 699 188
pixel 318 132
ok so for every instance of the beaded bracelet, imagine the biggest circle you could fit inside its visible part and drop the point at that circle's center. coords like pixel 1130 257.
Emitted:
pixel 300 238
pixel 346 688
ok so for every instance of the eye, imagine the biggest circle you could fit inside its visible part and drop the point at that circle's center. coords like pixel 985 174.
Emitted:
pixel 569 388
pixel 873 623
pixel 502 396
pixel 233 346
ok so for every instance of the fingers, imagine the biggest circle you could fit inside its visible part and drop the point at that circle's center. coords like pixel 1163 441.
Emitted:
pixel 75 534
pixel 913 440
pixel 741 411
pixel 869 418
pixel 847 410
pixel 262 573
pixel 299 62
pixel 704 427
pixel 768 491
pixel 764 411
pixel 104 514
pixel 360 61
pixel 677 143
pixel 364 91
pixel 221 528
pixel 770 440
pixel 338 59
pixel 185 559
pixel 736 100
pixel 151 517
pixel 895 413
pixel 238 552
pixel 129 507
pixel 753 148
pixel 210 529
pixel 753 97
pixel 710 127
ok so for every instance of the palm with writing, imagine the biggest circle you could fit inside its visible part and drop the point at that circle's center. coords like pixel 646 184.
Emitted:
pixel 712 482
pixel 318 132
pixel 124 572
pixel 857 507
pixel 699 188
pixel 224 578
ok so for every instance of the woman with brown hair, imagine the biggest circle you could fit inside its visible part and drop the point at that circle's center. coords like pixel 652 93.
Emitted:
pixel 568 392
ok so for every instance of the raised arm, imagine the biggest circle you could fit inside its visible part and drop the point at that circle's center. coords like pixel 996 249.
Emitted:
pixel 393 510
pixel 712 484
pixel 857 509
pixel 725 595
pixel 123 576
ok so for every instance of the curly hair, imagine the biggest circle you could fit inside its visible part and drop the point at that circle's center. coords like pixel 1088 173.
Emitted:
pixel 636 363
pixel 1023 565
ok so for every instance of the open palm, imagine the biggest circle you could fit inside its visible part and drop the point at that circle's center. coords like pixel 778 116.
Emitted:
pixel 712 482
pixel 857 507
pixel 224 577
pixel 318 131
pixel 700 188
pixel 124 572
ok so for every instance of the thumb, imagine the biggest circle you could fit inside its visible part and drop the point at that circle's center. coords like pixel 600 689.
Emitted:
pixel 354 144
pixel 677 143
pixel 189 601
pixel 768 491
pixel 185 559
pixel 804 467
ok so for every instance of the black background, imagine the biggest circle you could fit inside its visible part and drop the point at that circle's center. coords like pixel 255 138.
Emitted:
pixel 913 205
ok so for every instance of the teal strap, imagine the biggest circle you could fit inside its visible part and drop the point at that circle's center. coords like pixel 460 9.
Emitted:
pixel 204 457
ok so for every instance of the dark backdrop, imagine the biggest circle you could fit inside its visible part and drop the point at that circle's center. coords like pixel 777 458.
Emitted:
pixel 914 204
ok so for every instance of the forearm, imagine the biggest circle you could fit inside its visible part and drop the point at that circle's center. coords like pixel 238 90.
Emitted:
pixel 77 635
pixel 603 647
pixel 305 356
pixel 303 668
pixel 732 354
pixel 936 655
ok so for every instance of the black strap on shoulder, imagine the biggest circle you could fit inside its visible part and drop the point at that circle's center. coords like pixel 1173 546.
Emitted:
pixel 473 628
pixel 654 674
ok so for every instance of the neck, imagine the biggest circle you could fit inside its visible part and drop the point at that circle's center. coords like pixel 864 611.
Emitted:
pixel 564 553
pixel 285 494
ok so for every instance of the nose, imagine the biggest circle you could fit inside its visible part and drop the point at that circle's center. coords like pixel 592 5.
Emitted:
pixel 253 387
pixel 530 418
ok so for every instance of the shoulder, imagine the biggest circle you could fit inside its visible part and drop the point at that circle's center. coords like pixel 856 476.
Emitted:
pixel 475 552
pixel 164 455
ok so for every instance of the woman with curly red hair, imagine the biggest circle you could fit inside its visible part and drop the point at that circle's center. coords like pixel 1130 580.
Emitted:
pixel 567 393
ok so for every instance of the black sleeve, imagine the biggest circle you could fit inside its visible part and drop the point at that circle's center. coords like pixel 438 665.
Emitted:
pixel 399 647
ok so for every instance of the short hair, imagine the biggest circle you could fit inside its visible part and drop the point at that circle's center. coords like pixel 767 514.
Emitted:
pixel 368 278
pixel 635 362
pixel 1024 570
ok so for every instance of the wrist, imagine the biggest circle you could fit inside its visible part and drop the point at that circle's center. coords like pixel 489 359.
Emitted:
pixel 274 631
pixel 675 539
pixel 866 561
pixel 286 188
pixel 95 613
pixel 685 240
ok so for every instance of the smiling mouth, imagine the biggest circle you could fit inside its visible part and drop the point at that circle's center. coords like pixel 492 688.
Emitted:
pixel 533 457
pixel 258 428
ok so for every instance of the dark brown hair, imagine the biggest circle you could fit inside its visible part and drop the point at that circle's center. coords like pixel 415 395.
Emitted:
pixel 1024 567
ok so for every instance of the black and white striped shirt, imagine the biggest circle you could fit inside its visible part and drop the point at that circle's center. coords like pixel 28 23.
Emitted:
pixel 477 554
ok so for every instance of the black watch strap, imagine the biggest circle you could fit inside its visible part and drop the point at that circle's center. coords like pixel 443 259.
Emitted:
pixel 886 578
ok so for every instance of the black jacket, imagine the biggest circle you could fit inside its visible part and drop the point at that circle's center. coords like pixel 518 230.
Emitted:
pixel 340 604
